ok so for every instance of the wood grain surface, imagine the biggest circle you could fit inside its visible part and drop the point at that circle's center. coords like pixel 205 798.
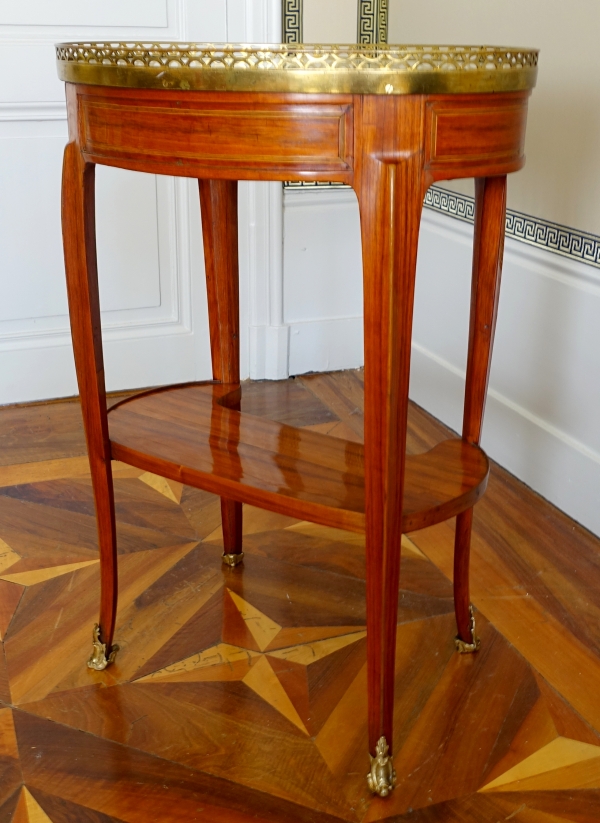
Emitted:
pixel 239 695
pixel 390 148
pixel 187 435
pixel 219 214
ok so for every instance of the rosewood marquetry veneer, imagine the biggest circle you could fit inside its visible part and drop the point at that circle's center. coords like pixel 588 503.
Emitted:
pixel 386 120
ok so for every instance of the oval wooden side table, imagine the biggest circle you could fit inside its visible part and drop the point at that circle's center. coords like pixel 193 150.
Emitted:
pixel 387 120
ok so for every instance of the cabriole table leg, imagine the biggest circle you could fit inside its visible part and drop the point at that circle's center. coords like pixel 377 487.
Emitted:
pixel 488 248
pixel 79 236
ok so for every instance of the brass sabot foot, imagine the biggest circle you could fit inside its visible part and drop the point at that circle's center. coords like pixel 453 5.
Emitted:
pixel 462 647
pixel 99 659
pixel 233 559
pixel 382 777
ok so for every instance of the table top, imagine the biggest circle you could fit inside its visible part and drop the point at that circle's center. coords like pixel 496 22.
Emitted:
pixel 348 69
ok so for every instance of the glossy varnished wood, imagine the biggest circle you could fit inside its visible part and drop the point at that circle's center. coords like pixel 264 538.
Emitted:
pixel 390 190
pixel 488 248
pixel 512 732
pixel 484 135
pixel 188 435
pixel 218 208
pixel 249 136
pixel 206 134
pixel 390 148
pixel 79 235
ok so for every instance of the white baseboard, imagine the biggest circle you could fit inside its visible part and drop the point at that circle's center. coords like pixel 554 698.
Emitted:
pixel 269 352
pixel 543 408
pixel 51 369
pixel 560 468
pixel 326 345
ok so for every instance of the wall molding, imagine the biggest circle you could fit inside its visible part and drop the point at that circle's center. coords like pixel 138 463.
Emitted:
pixel 546 439
pixel 535 231
pixel 574 244
pixel 326 345
pixel 556 465
pixel 33 111
pixel 265 343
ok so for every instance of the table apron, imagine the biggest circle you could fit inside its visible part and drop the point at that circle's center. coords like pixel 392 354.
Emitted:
pixel 273 137
pixel 288 136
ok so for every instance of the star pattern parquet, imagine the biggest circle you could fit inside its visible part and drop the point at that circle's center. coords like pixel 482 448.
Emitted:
pixel 240 693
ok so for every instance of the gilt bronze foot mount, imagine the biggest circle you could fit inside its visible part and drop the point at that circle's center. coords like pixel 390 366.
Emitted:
pixel 462 647
pixel 382 777
pixel 233 559
pixel 100 659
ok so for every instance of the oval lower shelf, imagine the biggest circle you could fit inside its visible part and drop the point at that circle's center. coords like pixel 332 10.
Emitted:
pixel 192 434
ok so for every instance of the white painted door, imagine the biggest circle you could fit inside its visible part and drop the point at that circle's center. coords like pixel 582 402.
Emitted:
pixel 149 241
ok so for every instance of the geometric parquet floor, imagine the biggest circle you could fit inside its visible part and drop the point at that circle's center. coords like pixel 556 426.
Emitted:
pixel 240 694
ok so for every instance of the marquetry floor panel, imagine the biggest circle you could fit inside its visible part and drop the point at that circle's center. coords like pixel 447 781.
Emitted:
pixel 240 694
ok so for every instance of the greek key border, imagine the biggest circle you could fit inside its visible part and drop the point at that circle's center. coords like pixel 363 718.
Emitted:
pixel 372 17
pixel 292 21
pixel 372 21
pixel 543 234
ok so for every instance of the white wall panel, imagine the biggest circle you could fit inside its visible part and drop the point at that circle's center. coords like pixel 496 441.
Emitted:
pixel 322 255
pixel 151 266
pixel 28 73
pixel 31 275
pixel 326 345
pixel 322 280
pixel 138 272
pixel 206 20
pixel 547 338
pixel 84 13
pixel 142 220
pixel 127 239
